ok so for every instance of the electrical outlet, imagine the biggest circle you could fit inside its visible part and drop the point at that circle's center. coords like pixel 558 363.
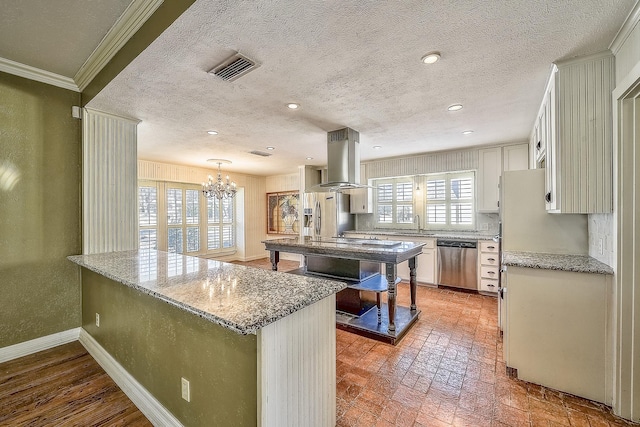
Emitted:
pixel 600 246
pixel 98 320
pixel 186 391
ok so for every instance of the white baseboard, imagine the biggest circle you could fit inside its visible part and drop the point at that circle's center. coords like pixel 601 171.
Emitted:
pixel 39 344
pixel 157 414
pixel 255 257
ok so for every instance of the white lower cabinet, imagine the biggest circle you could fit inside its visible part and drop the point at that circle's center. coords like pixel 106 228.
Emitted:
pixel 426 261
pixel 558 330
pixel 488 266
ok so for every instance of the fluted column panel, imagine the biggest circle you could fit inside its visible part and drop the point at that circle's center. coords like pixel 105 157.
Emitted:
pixel 109 183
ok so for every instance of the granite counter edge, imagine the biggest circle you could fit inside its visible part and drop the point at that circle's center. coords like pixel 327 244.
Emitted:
pixel 556 262
pixel 246 330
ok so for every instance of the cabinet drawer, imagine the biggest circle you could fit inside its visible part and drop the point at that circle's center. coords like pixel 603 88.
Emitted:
pixel 489 259
pixel 489 285
pixel 488 246
pixel 487 272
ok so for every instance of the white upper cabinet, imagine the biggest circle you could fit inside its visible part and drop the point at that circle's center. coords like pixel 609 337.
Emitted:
pixel 489 171
pixel 515 157
pixel 575 132
pixel 491 163
pixel 361 201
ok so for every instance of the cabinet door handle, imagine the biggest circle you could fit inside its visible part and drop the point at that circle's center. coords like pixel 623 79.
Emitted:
pixel 491 259
pixel 539 145
pixel 491 247
pixel 491 272
pixel 547 197
pixel 491 286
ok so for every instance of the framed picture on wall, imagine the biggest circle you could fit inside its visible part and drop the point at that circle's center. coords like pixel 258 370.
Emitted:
pixel 283 212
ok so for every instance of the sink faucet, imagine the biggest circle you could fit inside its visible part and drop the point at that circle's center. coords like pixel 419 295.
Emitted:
pixel 416 219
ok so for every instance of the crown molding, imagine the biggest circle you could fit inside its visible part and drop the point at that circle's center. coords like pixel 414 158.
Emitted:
pixel 32 73
pixel 586 58
pixel 125 27
pixel 626 29
pixel 111 115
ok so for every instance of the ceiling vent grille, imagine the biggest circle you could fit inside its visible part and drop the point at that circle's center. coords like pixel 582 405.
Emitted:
pixel 234 67
pixel 260 153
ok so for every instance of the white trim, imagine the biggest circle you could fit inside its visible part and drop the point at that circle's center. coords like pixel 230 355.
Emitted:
pixel 157 414
pixel 125 27
pixel 39 344
pixel 626 29
pixel 33 73
pixel 581 59
pixel 111 115
pixel 626 84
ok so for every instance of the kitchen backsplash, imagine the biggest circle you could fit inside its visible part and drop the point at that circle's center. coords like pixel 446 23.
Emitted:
pixel 484 222
pixel 601 228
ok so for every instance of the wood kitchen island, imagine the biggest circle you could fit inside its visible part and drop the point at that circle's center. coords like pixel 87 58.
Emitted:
pixel 358 261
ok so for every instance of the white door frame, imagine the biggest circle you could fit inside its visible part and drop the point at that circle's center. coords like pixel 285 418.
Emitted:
pixel 626 119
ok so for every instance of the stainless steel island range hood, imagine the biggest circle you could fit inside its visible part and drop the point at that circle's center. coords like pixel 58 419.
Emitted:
pixel 343 159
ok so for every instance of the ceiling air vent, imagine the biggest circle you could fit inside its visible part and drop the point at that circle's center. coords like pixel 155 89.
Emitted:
pixel 260 153
pixel 234 67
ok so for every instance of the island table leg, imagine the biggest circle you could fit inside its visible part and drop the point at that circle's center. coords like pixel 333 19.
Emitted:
pixel 390 272
pixel 274 256
pixel 413 283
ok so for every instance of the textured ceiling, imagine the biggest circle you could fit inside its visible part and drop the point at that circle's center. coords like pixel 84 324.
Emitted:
pixel 350 63
pixel 56 36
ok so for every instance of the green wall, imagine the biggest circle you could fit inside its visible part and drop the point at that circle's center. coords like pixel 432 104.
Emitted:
pixel 158 344
pixel 39 210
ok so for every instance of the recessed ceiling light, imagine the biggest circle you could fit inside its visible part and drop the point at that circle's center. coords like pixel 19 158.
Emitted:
pixel 431 58
pixel 377 147
pixel 454 107
pixel 212 132
pixel 309 158
pixel 293 106
pixel 271 148
pixel 467 132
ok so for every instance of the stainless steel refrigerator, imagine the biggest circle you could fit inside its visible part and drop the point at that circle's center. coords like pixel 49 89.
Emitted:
pixel 327 214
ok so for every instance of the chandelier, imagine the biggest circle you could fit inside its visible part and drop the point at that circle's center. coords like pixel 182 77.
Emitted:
pixel 219 189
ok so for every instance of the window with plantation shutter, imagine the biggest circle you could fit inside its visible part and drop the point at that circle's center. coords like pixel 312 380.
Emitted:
pixel 394 202
pixel 177 218
pixel 220 224
pixel 183 219
pixel 450 200
pixel 148 217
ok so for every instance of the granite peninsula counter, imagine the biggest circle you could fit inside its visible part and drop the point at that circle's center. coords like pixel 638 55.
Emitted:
pixel 239 298
pixel 258 347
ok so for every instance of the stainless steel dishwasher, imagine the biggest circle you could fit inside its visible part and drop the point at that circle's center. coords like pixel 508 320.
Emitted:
pixel 458 263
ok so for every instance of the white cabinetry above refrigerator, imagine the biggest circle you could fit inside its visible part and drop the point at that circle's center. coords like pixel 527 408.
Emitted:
pixel 492 162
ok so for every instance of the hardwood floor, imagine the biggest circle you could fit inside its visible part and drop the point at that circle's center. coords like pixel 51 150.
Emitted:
pixel 63 386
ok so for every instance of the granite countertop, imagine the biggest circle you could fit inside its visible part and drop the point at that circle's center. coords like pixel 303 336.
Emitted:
pixel 575 263
pixel 352 248
pixel 473 235
pixel 243 299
